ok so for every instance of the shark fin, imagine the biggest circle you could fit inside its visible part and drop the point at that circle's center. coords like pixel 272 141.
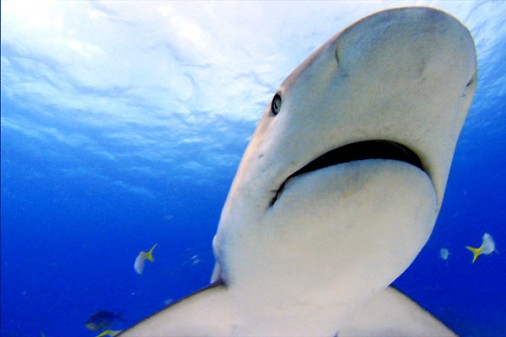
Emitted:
pixel 204 313
pixel 391 313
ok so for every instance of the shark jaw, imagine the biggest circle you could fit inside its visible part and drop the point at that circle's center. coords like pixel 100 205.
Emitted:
pixel 339 188
pixel 328 237
pixel 379 149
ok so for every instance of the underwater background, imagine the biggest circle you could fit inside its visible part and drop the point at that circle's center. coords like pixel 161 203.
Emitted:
pixel 122 125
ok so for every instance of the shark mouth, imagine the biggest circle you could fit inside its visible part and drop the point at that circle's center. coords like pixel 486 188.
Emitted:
pixel 370 149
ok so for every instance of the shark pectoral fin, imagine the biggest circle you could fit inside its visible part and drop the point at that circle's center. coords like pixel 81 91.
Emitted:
pixel 216 273
pixel 204 313
pixel 391 313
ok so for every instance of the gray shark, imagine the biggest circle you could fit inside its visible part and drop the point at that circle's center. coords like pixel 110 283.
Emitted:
pixel 339 188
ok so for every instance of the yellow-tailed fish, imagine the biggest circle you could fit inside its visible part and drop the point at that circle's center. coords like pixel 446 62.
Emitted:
pixel 487 247
pixel 109 333
pixel 139 261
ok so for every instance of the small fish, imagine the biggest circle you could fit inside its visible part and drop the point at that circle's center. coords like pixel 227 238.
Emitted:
pixel 444 253
pixel 487 247
pixel 195 259
pixel 139 261
pixel 101 320
pixel 109 333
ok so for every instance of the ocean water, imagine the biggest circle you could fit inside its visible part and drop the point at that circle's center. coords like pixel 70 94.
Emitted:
pixel 123 125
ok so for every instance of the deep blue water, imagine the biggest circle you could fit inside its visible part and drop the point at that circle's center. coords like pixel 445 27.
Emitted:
pixel 80 200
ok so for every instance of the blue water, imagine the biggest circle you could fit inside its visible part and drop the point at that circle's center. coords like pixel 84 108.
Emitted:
pixel 80 199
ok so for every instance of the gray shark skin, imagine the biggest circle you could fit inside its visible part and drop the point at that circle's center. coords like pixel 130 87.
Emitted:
pixel 339 188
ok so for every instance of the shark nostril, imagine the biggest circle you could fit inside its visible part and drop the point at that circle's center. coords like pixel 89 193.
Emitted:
pixel 337 57
pixel 471 81
pixel 470 86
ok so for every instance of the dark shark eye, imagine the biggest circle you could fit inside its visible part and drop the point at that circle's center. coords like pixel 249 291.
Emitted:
pixel 276 104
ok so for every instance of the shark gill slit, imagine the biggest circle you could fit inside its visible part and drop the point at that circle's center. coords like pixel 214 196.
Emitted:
pixel 369 149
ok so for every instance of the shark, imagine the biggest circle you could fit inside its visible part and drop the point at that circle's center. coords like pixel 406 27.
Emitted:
pixel 339 188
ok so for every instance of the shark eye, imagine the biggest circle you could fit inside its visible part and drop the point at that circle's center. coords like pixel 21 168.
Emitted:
pixel 276 104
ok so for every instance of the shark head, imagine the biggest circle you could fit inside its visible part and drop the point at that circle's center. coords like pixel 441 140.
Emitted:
pixel 342 181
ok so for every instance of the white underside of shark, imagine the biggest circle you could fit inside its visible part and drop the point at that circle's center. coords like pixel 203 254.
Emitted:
pixel 339 188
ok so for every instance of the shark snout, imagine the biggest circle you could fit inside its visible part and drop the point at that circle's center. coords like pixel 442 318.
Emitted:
pixel 403 76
